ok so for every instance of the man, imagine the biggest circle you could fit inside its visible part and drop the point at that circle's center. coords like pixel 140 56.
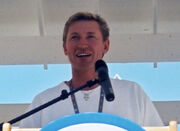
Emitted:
pixel 86 40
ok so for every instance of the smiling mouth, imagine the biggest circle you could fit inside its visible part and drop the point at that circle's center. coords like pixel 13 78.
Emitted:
pixel 83 55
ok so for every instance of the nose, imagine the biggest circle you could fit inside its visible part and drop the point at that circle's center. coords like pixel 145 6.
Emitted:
pixel 83 43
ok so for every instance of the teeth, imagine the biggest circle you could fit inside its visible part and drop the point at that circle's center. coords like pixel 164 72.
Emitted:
pixel 82 55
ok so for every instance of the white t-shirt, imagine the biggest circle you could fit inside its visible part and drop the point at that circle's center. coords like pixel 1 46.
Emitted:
pixel 130 102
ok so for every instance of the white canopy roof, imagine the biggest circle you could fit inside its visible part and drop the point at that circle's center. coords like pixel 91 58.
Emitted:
pixel 141 30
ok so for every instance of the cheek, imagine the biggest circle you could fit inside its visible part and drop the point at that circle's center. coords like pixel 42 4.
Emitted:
pixel 99 52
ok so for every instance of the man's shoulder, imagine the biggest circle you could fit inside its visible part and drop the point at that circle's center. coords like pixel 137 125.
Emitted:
pixel 52 92
pixel 125 85
pixel 123 82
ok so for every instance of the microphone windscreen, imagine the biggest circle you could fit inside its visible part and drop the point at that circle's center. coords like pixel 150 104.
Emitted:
pixel 100 63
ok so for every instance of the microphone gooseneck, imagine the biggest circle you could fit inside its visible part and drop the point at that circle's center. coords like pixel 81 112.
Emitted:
pixel 103 77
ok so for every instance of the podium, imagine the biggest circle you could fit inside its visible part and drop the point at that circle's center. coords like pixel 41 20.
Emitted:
pixel 92 121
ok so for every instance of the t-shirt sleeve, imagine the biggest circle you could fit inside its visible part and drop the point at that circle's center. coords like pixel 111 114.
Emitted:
pixel 33 121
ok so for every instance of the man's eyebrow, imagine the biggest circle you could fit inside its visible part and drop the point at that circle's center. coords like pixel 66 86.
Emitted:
pixel 91 33
pixel 74 33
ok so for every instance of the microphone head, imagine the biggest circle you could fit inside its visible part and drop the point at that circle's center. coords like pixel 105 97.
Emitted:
pixel 100 63
pixel 103 77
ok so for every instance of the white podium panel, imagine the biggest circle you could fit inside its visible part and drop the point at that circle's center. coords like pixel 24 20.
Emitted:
pixel 92 122
pixel 92 127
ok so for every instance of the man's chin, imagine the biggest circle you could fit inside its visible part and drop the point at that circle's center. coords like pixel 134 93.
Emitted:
pixel 85 65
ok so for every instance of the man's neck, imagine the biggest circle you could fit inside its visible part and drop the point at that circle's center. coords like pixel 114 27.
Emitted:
pixel 81 77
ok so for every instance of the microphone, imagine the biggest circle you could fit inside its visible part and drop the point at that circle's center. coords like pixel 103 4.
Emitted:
pixel 103 77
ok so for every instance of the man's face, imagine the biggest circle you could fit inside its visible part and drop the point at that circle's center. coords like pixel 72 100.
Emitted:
pixel 84 44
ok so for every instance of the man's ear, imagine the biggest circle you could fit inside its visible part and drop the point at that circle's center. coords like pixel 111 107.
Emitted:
pixel 65 49
pixel 106 46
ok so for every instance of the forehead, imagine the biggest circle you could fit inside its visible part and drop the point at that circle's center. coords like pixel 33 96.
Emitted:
pixel 84 26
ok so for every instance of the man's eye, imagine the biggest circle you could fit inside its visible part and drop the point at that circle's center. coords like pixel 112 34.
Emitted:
pixel 90 37
pixel 75 37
